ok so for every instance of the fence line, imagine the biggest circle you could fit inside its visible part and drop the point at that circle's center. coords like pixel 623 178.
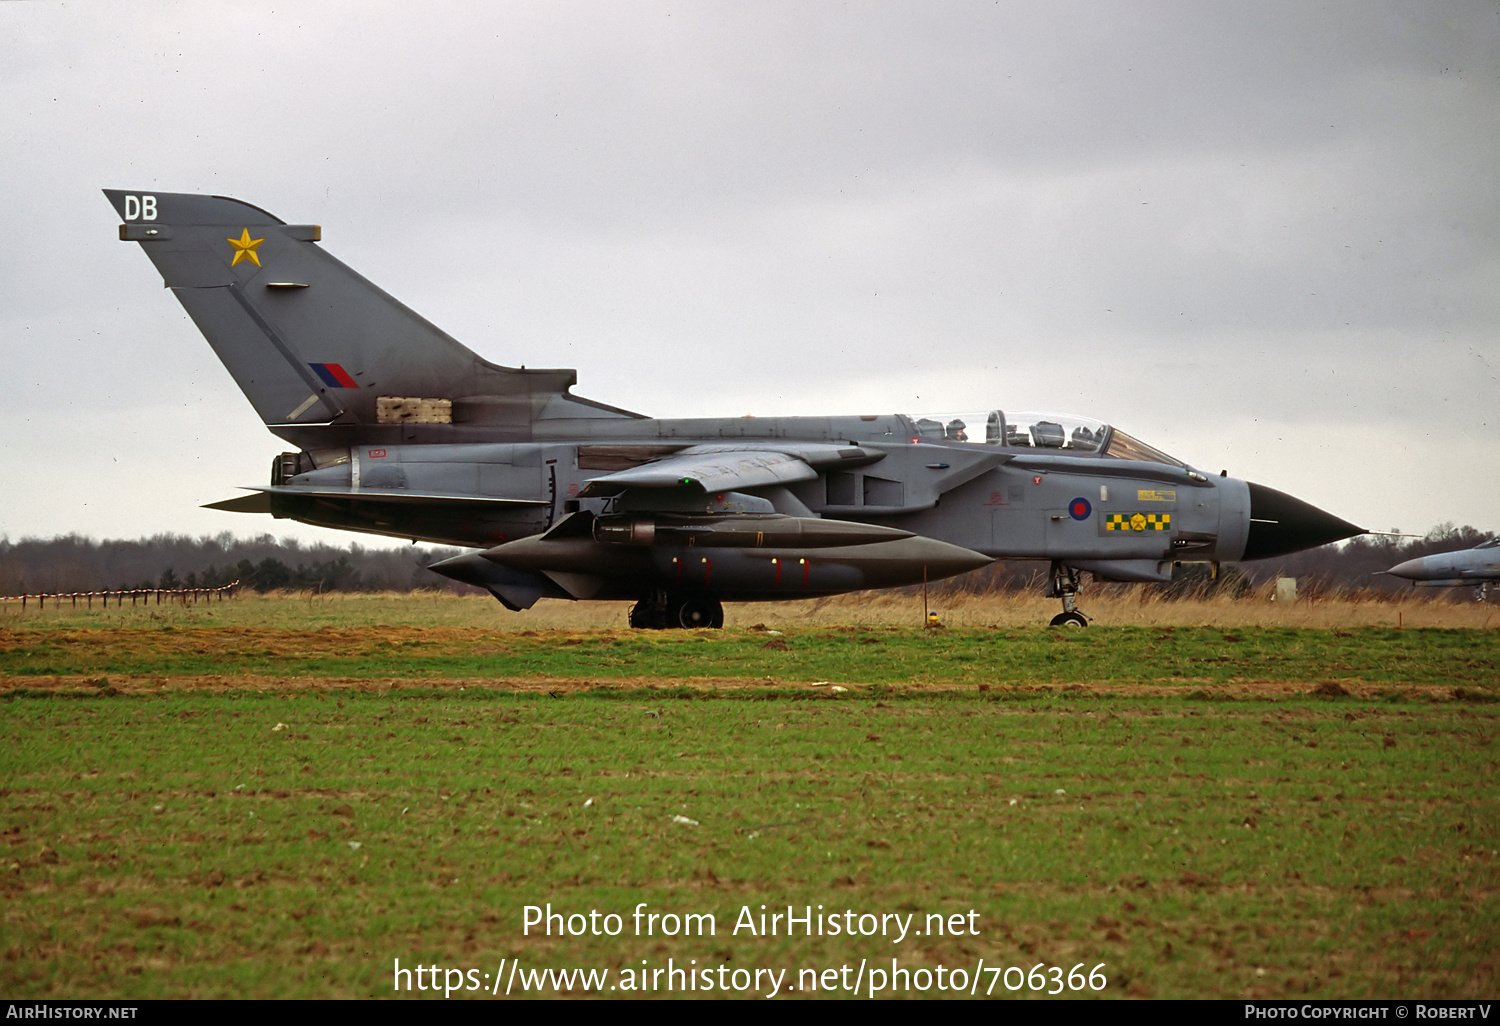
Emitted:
pixel 144 595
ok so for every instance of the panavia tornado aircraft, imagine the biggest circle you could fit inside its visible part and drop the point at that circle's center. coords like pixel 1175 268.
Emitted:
pixel 402 431
pixel 1464 568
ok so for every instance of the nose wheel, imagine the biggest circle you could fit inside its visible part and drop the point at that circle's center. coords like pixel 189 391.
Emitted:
pixel 1065 585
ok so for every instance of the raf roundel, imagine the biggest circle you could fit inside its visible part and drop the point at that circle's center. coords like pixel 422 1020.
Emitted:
pixel 1079 508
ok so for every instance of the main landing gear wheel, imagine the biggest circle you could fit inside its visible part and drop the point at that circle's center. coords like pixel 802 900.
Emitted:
pixel 663 612
pixel 699 611
pixel 1064 585
pixel 645 615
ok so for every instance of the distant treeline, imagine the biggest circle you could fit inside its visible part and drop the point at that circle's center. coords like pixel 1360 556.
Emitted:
pixel 264 564
pixel 1356 563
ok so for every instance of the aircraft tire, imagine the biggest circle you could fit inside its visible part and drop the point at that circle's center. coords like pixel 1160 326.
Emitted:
pixel 1070 620
pixel 643 616
pixel 699 611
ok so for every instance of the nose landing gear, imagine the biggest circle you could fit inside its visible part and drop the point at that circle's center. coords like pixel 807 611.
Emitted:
pixel 1065 585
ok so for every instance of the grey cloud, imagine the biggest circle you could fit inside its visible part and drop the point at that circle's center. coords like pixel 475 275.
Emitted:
pixel 1165 213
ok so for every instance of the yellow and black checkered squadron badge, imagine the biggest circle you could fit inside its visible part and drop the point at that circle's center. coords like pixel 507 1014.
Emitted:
pixel 1138 522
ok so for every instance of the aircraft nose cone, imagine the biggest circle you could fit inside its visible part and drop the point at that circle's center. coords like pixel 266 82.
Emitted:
pixel 1280 524
pixel 1412 569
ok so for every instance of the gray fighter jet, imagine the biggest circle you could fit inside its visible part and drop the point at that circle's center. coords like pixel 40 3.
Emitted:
pixel 1464 568
pixel 402 431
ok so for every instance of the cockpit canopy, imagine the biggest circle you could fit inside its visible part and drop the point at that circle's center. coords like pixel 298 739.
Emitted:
pixel 1082 436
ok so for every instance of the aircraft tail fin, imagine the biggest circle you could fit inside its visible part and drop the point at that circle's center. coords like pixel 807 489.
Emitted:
pixel 310 342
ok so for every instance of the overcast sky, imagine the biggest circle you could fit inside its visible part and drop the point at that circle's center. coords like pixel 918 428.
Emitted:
pixel 1261 236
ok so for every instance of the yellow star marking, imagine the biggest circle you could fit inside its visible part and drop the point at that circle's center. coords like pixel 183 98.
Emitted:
pixel 1138 522
pixel 244 248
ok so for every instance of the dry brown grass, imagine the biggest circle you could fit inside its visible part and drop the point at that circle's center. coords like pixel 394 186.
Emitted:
pixel 1123 606
pixel 1143 606
pixel 1118 605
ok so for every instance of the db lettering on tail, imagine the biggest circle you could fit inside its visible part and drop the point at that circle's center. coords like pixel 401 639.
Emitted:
pixel 140 208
